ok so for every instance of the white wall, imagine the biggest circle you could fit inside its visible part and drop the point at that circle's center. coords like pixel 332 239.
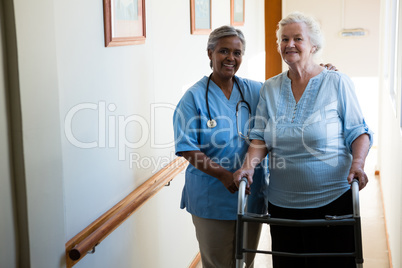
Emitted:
pixel 390 143
pixel 41 167
pixel 8 241
pixel 73 93
pixel 356 56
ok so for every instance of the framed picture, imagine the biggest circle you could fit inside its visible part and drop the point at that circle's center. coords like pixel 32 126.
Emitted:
pixel 200 16
pixel 124 22
pixel 237 12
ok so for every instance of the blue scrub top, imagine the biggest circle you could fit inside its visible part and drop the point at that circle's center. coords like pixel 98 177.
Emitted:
pixel 204 195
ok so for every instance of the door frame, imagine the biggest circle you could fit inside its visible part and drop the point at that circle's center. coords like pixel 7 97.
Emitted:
pixel 273 61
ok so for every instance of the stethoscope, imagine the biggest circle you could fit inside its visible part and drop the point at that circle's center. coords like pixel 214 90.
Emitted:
pixel 211 123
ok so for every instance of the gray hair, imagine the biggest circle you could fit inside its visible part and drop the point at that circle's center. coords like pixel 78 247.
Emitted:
pixel 313 27
pixel 224 31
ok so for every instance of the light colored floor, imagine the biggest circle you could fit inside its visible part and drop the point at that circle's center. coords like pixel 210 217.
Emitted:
pixel 375 250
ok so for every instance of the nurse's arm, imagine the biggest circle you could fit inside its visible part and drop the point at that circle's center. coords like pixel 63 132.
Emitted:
pixel 202 162
pixel 257 151
pixel 360 148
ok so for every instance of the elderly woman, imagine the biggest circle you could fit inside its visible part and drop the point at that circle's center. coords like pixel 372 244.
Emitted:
pixel 309 120
pixel 206 134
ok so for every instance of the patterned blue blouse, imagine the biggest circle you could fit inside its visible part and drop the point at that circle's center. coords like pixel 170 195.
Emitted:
pixel 309 142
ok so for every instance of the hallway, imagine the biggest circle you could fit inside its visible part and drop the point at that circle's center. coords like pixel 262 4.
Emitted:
pixel 375 251
pixel 83 125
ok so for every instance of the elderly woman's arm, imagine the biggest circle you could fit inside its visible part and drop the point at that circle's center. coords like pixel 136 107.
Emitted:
pixel 360 148
pixel 255 154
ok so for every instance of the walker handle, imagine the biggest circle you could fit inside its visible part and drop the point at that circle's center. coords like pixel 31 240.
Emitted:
pixel 355 195
pixel 242 200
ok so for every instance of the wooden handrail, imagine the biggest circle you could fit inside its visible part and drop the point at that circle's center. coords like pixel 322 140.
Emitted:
pixel 196 261
pixel 78 246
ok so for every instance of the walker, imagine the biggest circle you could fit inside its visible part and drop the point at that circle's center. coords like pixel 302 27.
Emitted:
pixel 354 220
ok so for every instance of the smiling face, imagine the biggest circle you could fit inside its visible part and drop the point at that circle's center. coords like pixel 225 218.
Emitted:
pixel 226 57
pixel 295 46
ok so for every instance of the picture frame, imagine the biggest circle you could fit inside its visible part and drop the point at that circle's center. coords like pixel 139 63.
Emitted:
pixel 200 13
pixel 124 22
pixel 237 8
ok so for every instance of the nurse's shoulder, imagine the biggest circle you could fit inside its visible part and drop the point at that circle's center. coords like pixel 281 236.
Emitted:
pixel 194 94
pixel 249 86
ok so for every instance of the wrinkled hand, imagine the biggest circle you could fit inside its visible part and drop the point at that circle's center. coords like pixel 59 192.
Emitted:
pixel 357 171
pixel 244 173
pixel 329 66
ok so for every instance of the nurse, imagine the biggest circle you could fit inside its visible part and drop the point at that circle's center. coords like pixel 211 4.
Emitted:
pixel 207 135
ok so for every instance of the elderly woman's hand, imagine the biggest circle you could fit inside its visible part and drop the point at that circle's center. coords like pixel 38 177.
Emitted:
pixel 357 172
pixel 244 173
pixel 329 66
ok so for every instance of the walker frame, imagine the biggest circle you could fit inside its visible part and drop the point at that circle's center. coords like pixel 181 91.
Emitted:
pixel 354 220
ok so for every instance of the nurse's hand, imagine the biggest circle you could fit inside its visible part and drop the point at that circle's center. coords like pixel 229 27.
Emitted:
pixel 202 162
pixel 329 66
pixel 228 182
pixel 244 173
